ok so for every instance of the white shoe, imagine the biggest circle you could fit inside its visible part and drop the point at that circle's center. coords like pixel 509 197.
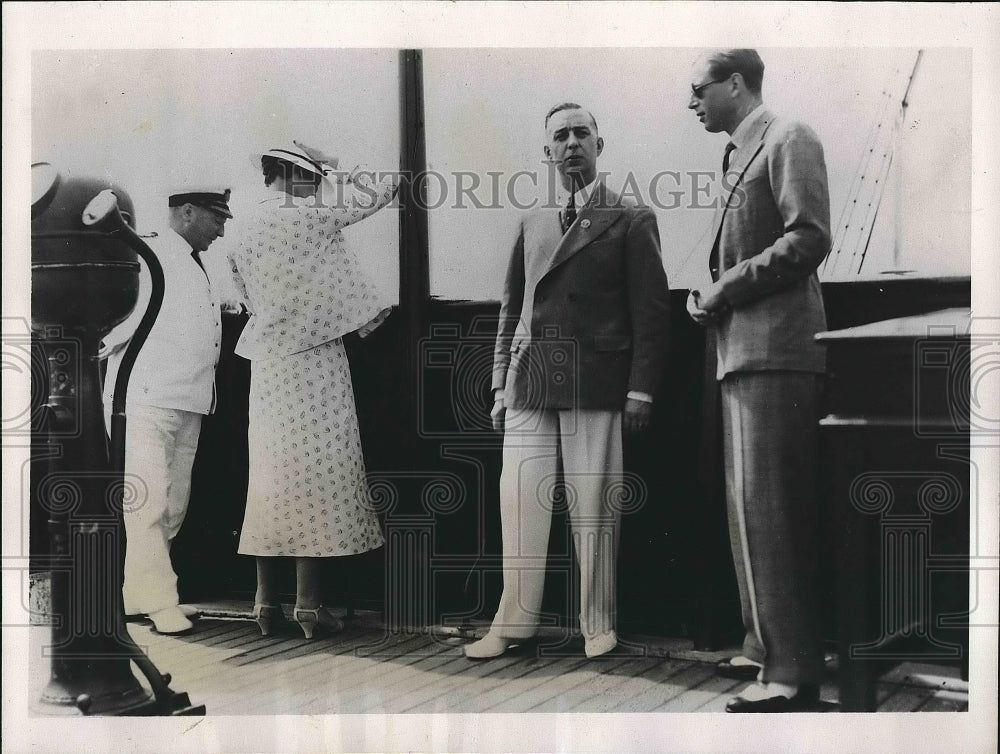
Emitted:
pixel 600 644
pixel 189 611
pixel 491 646
pixel 170 620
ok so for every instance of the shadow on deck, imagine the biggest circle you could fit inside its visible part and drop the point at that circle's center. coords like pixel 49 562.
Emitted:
pixel 225 664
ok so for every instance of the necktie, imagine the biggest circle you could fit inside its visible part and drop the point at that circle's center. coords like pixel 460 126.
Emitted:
pixel 713 258
pixel 569 214
pixel 725 158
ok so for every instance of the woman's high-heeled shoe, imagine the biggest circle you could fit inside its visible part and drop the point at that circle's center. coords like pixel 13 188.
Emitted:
pixel 309 620
pixel 267 616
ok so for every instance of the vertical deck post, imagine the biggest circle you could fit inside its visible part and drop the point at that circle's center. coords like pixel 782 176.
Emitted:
pixel 407 599
pixel 414 268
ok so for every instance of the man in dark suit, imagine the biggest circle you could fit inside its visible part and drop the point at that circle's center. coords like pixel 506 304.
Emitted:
pixel 579 354
pixel 771 232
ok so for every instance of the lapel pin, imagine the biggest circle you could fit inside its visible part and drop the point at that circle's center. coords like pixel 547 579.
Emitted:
pixel 585 224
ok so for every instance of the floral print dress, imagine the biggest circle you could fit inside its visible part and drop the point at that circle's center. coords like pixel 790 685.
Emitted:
pixel 307 494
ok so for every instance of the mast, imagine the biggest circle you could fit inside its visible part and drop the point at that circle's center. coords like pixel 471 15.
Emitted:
pixel 898 173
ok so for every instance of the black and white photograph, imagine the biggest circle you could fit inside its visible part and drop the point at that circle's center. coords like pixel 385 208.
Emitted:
pixel 373 371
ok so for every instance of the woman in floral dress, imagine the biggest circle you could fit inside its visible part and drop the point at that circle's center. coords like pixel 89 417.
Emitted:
pixel 307 496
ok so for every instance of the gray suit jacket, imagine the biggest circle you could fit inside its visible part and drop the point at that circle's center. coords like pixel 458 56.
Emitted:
pixel 584 316
pixel 773 232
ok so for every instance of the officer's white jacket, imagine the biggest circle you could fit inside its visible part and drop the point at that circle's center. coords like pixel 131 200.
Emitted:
pixel 176 366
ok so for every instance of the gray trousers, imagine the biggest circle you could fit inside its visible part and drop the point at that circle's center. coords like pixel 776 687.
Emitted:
pixel 769 424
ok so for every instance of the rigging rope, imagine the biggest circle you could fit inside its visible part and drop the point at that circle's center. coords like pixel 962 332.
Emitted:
pixel 863 169
pixel 852 236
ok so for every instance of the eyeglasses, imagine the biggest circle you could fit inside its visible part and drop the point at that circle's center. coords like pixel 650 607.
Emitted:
pixel 699 90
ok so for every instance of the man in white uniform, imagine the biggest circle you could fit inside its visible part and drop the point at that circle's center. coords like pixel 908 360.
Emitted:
pixel 171 387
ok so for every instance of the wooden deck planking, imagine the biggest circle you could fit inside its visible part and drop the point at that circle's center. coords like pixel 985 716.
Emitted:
pixel 192 664
pixel 607 677
pixel 248 640
pixel 425 672
pixel 519 693
pixel 902 698
pixel 228 666
pixel 201 656
pixel 378 670
pixel 718 704
pixel 508 676
pixel 246 680
pixel 182 648
pixel 184 659
pixel 366 690
pixel 545 696
pixel 275 667
pixel 484 681
pixel 656 671
pixel 333 674
pixel 698 696
pixel 660 693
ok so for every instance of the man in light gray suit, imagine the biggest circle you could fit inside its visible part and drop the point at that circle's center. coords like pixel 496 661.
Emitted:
pixel 771 232
pixel 579 355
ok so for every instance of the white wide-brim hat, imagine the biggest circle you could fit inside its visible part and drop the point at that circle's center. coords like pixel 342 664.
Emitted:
pixel 294 155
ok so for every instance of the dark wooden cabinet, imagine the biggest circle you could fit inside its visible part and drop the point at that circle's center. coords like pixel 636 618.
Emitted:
pixel 897 476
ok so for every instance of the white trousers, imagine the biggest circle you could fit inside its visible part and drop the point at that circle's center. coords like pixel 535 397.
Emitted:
pixel 589 445
pixel 160 446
